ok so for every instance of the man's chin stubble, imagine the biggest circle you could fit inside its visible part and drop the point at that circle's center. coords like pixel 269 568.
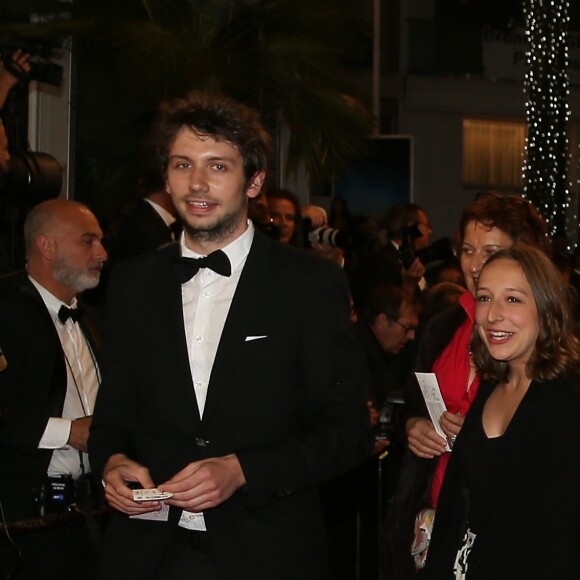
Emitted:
pixel 217 232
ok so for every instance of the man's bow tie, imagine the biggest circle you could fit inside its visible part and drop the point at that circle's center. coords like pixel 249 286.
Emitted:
pixel 217 261
pixel 73 313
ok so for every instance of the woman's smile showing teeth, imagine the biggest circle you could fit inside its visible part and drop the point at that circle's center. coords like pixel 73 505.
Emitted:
pixel 499 337
pixel 506 313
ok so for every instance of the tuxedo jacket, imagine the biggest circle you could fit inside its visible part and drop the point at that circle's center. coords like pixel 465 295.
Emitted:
pixel 531 528
pixel 140 231
pixel 32 389
pixel 374 264
pixel 289 403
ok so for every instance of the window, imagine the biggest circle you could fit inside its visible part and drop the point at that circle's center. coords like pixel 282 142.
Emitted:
pixel 493 153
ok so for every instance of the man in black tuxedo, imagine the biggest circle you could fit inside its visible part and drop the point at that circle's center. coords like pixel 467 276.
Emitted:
pixel 237 390
pixel 148 225
pixel 150 222
pixel 49 378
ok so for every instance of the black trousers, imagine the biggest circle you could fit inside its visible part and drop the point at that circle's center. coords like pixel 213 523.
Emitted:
pixel 66 553
pixel 187 557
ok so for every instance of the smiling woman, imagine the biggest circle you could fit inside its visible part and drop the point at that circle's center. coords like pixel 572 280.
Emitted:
pixel 490 224
pixel 509 505
pixel 506 314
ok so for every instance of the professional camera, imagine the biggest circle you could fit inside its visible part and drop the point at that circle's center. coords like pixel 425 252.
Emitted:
pixel 439 251
pixel 57 495
pixel 389 416
pixel 32 177
pixel 348 239
pixel 40 71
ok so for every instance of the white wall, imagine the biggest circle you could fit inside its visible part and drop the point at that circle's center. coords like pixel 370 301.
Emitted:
pixel 49 119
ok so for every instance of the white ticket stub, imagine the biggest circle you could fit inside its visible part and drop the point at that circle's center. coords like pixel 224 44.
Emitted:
pixel 150 495
pixel 434 401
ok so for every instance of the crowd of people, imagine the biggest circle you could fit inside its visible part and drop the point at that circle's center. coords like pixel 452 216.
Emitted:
pixel 251 363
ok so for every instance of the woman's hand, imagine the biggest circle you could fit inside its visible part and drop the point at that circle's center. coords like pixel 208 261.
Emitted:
pixel 422 438
pixel 451 424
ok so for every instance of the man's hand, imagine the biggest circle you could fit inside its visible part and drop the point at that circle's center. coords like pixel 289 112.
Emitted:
pixel 118 471
pixel 79 433
pixel 414 272
pixel 205 484
pixel 381 445
pixel 373 414
pixel 20 60
pixel 423 439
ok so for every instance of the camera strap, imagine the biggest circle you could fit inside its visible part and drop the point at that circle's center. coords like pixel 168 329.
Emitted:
pixel 87 495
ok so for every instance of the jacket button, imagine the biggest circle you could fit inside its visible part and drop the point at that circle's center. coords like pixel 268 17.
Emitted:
pixel 200 442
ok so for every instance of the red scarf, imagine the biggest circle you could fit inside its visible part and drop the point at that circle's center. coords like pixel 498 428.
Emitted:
pixel 453 369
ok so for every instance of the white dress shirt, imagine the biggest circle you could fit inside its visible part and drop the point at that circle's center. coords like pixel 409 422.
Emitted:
pixel 83 381
pixel 207 298
pixel 206 302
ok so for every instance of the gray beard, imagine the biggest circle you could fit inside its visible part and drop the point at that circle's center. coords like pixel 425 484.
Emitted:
pixel 79 281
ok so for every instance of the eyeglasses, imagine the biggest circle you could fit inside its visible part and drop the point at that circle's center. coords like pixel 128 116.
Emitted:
pixel 408 327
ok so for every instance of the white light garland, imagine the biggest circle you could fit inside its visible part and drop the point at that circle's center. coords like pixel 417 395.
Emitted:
pixel 547 86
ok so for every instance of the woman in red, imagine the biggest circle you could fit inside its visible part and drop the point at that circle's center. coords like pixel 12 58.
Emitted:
pixel 487 226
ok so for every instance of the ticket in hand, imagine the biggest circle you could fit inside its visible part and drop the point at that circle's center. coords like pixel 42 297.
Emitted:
pixel 150 494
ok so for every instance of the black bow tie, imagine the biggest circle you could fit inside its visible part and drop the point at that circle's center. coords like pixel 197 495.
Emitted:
pixel 217 261
pixel 73 313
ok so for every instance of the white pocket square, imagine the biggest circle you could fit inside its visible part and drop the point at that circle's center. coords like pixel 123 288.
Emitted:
pixel 249 338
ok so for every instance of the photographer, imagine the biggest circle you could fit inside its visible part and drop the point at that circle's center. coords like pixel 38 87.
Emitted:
pixel 408 228
pixel 7 82
pixel 394 262
pixel 20 60
pixel 314 217
pixel 386 325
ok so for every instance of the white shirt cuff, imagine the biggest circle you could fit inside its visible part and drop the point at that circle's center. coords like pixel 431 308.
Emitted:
pixel 56 434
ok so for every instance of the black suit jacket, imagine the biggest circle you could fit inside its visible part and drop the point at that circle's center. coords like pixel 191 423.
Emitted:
pixel 531 529
pixel 140 231
pixel 32 389
pixel 290 405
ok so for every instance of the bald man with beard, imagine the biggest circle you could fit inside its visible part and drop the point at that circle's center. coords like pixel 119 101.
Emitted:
pixel 49 377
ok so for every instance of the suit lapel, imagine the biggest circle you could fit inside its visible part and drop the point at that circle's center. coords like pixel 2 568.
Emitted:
pixel 242 314
pixel 59 379
pixel 170 303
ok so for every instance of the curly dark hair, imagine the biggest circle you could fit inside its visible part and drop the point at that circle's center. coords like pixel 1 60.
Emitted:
pixel 513 215
pixel 557 350
pixel 215 116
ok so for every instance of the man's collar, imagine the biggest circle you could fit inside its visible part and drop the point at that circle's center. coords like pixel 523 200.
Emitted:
pixel 52 303
pixel 163 213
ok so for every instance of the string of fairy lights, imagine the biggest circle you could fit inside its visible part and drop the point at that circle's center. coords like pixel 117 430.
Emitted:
pixel 547 88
